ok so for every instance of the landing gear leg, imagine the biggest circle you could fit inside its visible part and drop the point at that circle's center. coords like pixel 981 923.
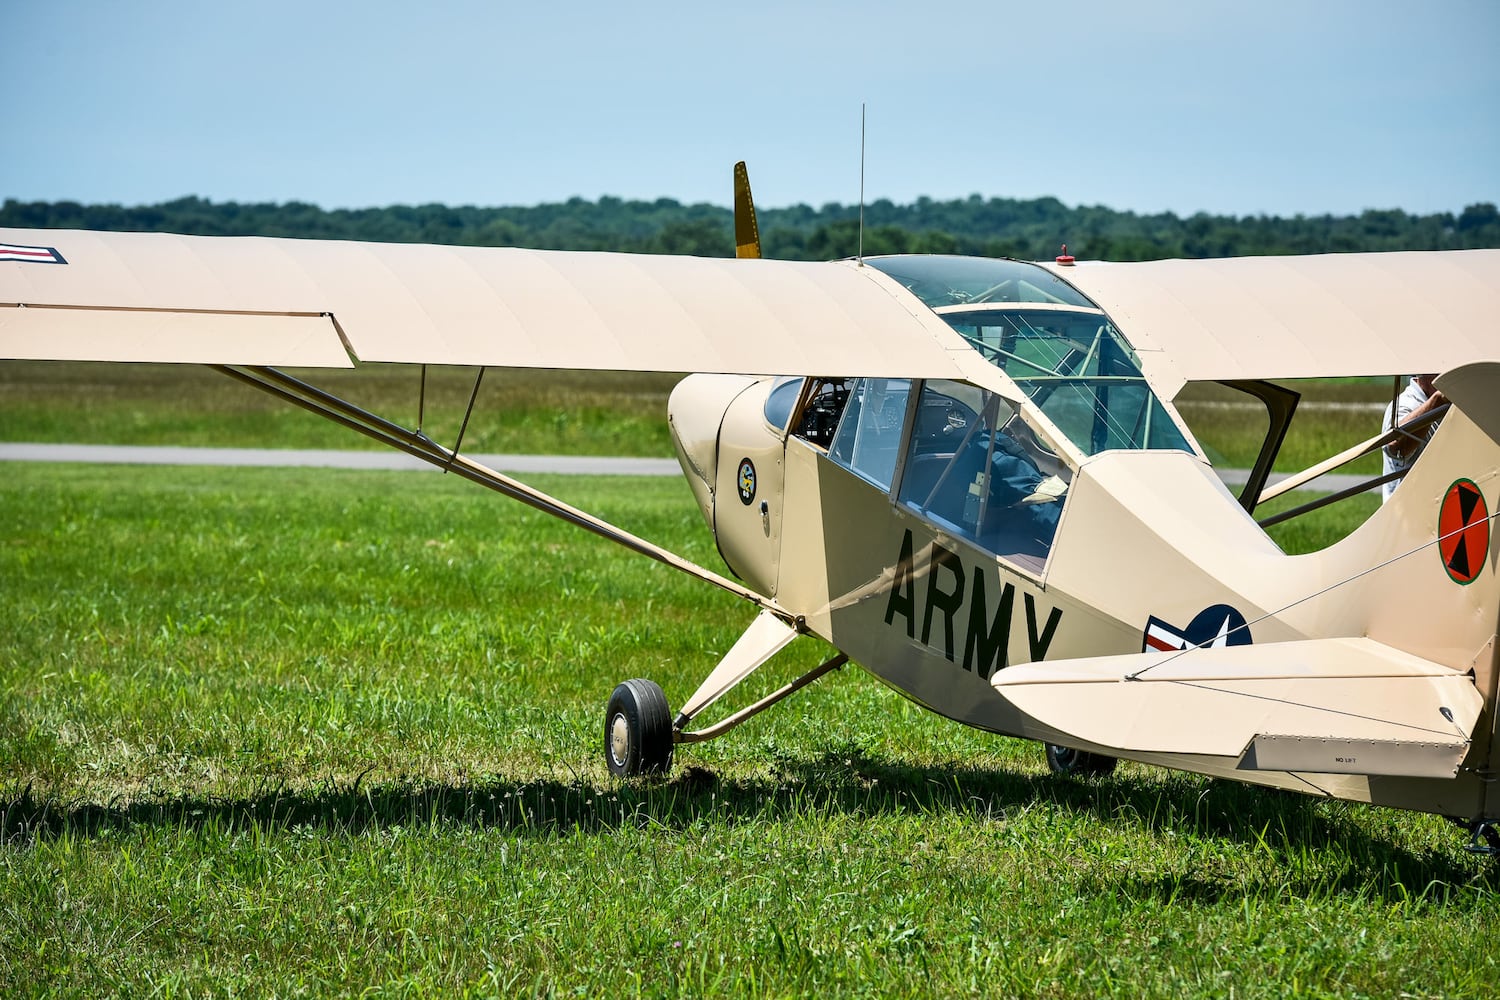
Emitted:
pixel 638 730
pixel 1067 761
pixel 1485 831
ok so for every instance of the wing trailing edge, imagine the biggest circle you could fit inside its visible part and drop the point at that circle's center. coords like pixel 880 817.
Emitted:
pixel 1330 706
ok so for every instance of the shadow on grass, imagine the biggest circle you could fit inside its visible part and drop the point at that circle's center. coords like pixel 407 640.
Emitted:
pixel 1295 830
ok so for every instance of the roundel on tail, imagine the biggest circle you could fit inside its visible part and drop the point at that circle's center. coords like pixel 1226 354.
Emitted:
pixel 1463 531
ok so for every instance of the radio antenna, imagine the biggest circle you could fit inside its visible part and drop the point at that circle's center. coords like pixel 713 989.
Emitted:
pixel 861 254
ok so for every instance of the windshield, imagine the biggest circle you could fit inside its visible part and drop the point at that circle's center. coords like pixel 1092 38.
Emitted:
pixel 1077 369
pixel 940 280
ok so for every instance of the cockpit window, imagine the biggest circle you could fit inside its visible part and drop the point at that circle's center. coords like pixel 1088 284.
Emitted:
pixel 869 434
pixel 1077 368
pixel 1061 351
pixel 975 468
pixel 940 280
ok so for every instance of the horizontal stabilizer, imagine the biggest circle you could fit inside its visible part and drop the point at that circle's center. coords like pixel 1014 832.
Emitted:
pixel 1409 758
pixel 1350 706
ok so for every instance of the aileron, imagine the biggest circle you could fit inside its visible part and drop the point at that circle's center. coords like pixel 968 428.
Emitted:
pixel 78 334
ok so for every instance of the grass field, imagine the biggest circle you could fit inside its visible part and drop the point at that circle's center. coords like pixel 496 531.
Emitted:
pixel 275 732
pixel 517 411
pixel 538 412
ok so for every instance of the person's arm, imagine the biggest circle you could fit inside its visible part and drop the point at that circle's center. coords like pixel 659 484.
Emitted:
pixel 1407 444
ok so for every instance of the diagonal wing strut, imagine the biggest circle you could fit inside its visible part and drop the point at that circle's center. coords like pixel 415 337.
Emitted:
pixel 419 445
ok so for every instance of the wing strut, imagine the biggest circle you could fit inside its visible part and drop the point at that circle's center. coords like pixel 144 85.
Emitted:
pixel 419 445
pixel 469 412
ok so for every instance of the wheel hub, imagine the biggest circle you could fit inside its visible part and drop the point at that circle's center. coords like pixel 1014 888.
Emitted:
pixel 619 738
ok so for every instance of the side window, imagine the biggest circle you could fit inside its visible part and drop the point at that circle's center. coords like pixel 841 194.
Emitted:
pixel 780 400
pixel 975 469
pixel 869 435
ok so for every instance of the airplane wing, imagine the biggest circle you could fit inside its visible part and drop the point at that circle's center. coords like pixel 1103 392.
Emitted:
pixel 1300 317
pixel 1330 706
pixel 75 295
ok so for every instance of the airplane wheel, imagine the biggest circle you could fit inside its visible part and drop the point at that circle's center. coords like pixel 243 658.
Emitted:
pixel 638 730
pixel 1067 761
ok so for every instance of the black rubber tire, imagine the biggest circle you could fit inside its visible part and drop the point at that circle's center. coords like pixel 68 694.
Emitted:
pixel 1078 763
pixel 638 730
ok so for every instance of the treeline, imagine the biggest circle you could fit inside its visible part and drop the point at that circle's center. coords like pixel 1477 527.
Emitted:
pixel 995 227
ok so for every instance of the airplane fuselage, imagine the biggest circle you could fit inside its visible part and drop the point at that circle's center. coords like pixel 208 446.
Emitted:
pixel 940 534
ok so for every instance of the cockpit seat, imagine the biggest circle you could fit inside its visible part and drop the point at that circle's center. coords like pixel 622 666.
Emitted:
pixel 923 473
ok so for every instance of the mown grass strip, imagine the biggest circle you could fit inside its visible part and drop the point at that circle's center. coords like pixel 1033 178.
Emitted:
pixel 518 410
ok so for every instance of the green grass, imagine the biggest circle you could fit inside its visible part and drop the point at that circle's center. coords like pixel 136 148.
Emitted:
pixel 1318 529
pixel 517 411
pixel 275 732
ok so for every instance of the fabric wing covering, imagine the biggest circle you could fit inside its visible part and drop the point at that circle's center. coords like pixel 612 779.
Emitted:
pixel 255 300
pixel 1301 317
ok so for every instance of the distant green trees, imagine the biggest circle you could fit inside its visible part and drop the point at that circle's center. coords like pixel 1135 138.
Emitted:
pixel 994 227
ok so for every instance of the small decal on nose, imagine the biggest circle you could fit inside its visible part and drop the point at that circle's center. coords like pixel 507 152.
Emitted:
pixel 747 481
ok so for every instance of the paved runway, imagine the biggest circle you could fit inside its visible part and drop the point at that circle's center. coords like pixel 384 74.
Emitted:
pixel 583 465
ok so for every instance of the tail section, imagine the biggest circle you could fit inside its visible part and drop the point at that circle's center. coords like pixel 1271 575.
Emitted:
pixel 1436 592
pixel 1452 497
pixel 1374 669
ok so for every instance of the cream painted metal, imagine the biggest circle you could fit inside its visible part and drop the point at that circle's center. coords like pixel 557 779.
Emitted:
pixel 747 522
pixel 1300 317
pixel 841 567
pixel 1347 691
pixel 485 306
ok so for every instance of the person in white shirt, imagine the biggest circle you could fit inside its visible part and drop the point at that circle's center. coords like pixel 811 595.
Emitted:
pixel 1418 399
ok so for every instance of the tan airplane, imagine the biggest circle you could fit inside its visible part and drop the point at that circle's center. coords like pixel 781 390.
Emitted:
pixel 969 476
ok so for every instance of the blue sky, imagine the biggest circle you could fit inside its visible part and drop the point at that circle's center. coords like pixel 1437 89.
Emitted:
pixel 1239 108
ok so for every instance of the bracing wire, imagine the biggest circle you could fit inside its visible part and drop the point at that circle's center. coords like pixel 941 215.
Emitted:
pixel 1303 600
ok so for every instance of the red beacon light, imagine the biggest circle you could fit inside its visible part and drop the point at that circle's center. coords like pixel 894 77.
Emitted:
pixel 1065 259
